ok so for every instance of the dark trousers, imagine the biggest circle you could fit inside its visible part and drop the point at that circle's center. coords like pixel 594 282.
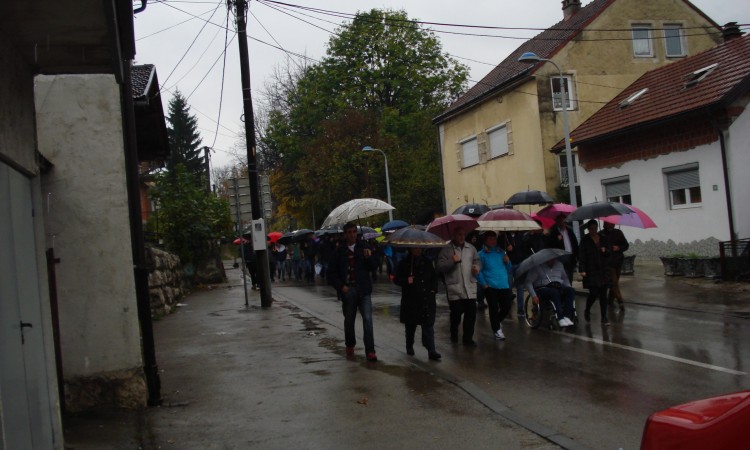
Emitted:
pixel 562 298
pixel 428 336
pixel 353 302
pixel 614 275
pixel 466 307
pixel 499 302
pixel 598 293
pixel 480 295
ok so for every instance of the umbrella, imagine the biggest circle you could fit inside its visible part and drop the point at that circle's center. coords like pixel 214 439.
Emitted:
pixel 393 225
pixel 301 234
pixel 530 198
pixel 413 237
pixel 274 236
pixel 358 208
pixel 598 209
pixel 546 222
pixel 286 238
pixel 636 218
pixel 444 226
pixel 237 241
pixel 540 257
pixel 506 220
pixel 555 209
pixel 472 209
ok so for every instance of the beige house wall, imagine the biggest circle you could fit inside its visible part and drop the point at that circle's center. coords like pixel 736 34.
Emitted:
pixel 600 70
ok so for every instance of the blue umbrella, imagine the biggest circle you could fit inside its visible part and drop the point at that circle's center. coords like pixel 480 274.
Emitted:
pixel 393 225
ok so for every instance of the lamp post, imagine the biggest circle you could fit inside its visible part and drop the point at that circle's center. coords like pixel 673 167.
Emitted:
pixel 367 148
pixel 533 58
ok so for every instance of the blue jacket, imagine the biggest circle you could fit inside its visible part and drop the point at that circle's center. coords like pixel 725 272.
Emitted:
pixel 494 271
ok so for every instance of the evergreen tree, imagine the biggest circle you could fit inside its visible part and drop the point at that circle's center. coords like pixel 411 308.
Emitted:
pixel 184 139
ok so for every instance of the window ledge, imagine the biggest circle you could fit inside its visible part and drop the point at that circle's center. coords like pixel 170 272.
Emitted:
pixel 688 206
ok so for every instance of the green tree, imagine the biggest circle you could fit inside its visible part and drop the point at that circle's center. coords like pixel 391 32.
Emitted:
pixel 189 217
pixel 380 84
pixel 184 139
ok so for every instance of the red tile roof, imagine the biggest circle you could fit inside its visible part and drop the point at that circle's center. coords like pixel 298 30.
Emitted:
pixel 668 95
pixel 545 44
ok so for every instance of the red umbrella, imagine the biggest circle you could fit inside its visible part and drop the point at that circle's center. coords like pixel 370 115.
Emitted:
pixel 506 220
pixel 546 221
pixel 637 218
pixel 555 209
pixel 237 241
pixel 274 236
pixel 444 226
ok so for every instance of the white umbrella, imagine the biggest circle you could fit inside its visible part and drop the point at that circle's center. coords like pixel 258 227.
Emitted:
pixel 358 208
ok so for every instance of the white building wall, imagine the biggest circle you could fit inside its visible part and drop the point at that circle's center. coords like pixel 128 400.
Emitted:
pixel 648 188
pixel 80 132
pixel 738 162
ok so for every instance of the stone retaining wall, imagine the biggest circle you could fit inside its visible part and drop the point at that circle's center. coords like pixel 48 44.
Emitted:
pixel 167 282
pixel 652 249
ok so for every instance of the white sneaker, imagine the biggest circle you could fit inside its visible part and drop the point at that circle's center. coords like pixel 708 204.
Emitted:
pixel 563 322
pixel 568 322
pixel 499 335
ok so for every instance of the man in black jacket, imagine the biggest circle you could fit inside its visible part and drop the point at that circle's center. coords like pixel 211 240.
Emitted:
pixel 349 272
pixel 617 246
pixel 561 236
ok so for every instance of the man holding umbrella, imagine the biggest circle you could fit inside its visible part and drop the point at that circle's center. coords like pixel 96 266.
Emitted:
pixel 349 272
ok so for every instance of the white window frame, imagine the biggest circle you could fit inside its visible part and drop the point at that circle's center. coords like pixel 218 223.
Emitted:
pixel 570 91
pixel 617 180
pixel 689 203
pixel 463 143
pixel 505 149
pixel 680 39
pixel 649 39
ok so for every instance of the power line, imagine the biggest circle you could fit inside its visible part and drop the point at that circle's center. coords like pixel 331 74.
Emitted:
pixel 223 53
pixel 223 73
pixel 175 25
pixel 190 70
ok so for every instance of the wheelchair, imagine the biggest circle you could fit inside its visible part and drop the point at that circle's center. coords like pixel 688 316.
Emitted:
pixel 544 314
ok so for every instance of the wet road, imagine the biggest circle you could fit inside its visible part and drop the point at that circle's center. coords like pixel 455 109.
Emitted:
pixel 595 385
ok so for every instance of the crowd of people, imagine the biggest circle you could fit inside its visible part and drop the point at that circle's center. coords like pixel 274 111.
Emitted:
pixel 478 271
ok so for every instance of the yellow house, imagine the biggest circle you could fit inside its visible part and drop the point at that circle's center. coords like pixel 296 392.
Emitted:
pixel 495 139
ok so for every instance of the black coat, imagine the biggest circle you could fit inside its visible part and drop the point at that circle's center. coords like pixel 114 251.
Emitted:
pixel 338 268
pixel 554 240
pixel 417 299
pixel 593 262
pixel 615 237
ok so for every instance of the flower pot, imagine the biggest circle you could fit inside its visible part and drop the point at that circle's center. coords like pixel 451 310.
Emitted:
pixel 672 266
pixel 692 267
pixel 712 268
pixel 628 265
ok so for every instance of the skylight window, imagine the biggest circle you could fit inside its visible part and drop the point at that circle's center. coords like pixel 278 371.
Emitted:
pixel 629 101
pixel 698 75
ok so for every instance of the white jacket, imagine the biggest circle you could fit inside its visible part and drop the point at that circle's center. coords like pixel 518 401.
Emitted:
pixel 460 282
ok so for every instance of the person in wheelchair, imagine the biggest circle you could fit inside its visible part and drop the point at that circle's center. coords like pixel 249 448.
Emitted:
pixel 549 282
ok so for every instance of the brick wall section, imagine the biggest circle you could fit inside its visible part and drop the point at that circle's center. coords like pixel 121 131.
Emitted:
pixel 647 143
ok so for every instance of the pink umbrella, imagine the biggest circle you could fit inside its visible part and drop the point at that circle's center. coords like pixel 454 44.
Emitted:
pixel 637 218
pixel 547 223
pixel 444 226
pixel 555 209
pixel 506 220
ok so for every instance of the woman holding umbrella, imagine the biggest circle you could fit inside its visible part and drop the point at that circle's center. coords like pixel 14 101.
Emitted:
pixel 593 257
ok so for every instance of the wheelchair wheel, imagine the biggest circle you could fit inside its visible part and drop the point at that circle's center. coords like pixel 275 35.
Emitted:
pixel 534 313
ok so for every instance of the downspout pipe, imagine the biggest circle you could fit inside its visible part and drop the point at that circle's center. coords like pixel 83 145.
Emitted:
pixel 439 128
pixel 727 188
pixel 142 8
pixel 140 265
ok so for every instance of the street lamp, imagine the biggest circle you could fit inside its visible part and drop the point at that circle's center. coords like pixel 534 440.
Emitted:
pixel 367 148
pixel 533 58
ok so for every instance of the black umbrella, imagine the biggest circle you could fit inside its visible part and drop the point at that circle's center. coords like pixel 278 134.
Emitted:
pixel 412 237
pixel 472 209
pixel 530 198
pixel 538 258
pixel 286 238
pixel 301 234
pixel 598 209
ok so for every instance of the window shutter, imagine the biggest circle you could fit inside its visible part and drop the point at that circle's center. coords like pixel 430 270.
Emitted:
pixel 618 189
pixel 683 180
pixel 482 147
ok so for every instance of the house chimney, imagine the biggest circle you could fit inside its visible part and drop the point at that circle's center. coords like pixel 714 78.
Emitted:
pixel 730 31
pixel 570 8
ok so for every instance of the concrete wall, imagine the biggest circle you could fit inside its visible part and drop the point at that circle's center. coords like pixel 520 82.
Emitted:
pixel 738 162
pixel 80 132
pixel 600 70
pixel 649 192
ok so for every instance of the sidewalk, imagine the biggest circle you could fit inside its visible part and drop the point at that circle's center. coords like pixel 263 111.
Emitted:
pixel 235 378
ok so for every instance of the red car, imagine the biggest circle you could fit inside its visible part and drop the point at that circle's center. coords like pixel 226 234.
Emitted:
pixel 714 423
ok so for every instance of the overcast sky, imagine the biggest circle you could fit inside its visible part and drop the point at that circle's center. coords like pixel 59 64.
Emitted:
pixel 184 48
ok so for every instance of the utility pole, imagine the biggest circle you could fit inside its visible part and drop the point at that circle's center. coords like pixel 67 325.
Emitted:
pixel 207 163
pixel 261 256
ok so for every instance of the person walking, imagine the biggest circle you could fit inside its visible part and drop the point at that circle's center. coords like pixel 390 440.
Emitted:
pixel 593 258
pixel 349 272
pixel 418 280
pixel 618 245
pixel 475 239
pixel 460 263
pixel 248 256
pixel 494 278
pixel 561 236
